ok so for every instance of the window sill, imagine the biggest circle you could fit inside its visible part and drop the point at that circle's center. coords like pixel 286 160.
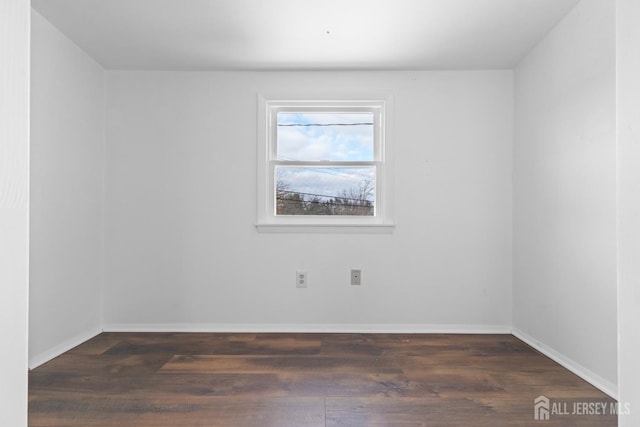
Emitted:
pixel 326 228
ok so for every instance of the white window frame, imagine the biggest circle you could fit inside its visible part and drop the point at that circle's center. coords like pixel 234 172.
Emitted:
pixel 381 221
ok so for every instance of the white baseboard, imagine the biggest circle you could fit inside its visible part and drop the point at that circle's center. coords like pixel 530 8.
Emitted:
pixel 66 345
pixel 597 381
pixel 307 328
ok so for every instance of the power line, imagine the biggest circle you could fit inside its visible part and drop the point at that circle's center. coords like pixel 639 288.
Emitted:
pixel 326 172
pixel 327 203
pixel 321 195
pixel 323 124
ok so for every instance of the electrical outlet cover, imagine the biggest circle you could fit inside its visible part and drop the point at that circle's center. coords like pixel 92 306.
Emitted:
pixel 356 277
pixel 301 279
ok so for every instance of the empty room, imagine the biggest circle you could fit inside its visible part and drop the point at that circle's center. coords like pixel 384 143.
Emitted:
pixel 320 213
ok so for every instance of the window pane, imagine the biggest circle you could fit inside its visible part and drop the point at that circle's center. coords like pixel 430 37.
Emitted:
pixel 325 136
pixel 325 191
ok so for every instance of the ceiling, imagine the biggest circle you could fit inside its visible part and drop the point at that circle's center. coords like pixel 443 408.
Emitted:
pixel 305 34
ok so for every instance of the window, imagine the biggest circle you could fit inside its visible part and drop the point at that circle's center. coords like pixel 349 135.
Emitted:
pixel 324 164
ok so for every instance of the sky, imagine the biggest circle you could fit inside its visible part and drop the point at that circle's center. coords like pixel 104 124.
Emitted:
pixel 325 137
pixel 351 142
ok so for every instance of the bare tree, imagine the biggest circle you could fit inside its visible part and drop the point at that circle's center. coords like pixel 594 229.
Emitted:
pixel 356 200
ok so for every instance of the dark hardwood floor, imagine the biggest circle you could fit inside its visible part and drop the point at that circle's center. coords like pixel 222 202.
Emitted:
pixel 188 380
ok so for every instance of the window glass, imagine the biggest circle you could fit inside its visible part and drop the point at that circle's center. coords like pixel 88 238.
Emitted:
pixel 325 165
pixel 325 136
pixel 303 190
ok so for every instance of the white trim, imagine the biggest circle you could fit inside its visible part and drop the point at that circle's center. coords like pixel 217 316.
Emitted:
pixel 326 228
pixel 267 221
pixel 66 345
pixel 592 378
pixel 308 328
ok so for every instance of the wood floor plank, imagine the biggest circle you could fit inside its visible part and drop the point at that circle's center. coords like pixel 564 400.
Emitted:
pixel 171 379
pixel 213 411
pixel 477 412
pixel 220 344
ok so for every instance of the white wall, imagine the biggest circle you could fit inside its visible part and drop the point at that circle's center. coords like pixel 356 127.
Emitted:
pixel 628 112
pixel 182 251
pixel 565 194
pixel 14 209
pixel 67 192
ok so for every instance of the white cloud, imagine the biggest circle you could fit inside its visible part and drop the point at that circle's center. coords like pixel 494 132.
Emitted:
pixel 335 143
pixel 324 181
